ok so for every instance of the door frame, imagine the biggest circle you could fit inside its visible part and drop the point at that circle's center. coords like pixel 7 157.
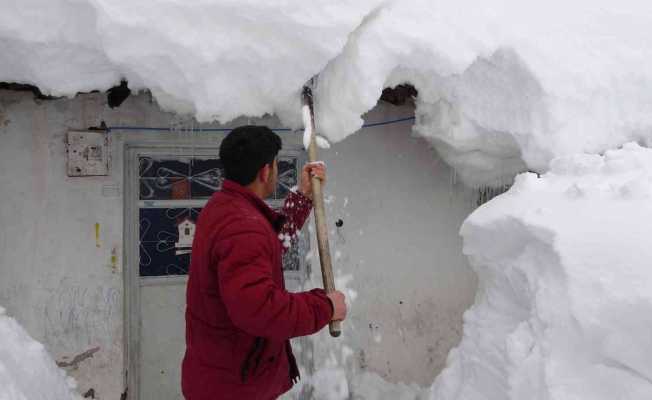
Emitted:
pixel 142 143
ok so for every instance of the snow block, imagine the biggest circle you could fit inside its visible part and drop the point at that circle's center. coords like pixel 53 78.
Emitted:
pixel 27 371
pixel 564 307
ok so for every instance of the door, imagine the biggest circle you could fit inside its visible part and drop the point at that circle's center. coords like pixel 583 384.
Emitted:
pixel 169 187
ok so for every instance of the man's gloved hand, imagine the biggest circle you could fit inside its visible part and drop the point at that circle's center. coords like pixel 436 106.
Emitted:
pixel 339 305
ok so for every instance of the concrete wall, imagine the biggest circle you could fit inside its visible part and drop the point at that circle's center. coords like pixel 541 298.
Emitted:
pixel 399 241
pixel 398 251
pixel 53 278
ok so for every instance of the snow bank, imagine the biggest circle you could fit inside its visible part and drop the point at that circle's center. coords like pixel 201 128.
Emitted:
pixel 216 59
pixel 504 85
pixel 564 307
pixel 27 372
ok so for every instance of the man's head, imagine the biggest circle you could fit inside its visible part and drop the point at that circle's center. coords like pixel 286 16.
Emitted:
pixel 248 154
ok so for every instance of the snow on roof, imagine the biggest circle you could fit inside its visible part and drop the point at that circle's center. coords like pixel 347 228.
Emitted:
pixel 504 85
pixel 216 59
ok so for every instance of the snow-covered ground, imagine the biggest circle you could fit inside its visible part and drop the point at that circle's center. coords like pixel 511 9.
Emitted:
pixel 27 372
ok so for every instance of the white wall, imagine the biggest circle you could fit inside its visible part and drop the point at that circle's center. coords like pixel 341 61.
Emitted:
pixel 53 278
pixel 401 210
pixel 399 241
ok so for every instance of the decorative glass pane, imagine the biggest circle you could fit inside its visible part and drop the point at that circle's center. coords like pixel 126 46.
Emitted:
pixel 164 179
pixel 179 179
pixel 166 233
pixel 287 176
pixel 198 178
pixel 291 258
pixel 150 167
pixel 206 177
pixel 170 188
pixel 166 240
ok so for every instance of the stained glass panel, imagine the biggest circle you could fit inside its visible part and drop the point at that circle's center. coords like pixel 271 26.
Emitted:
pixel 166 233
pixel 165 240
pixel 287 176
pixel 206 177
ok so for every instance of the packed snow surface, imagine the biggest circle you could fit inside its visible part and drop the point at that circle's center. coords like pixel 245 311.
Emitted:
pixel 564 307
pixel 27 372
pixel 504 85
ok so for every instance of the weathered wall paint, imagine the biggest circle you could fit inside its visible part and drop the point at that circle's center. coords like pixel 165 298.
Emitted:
pixel 400 210
pixel 53 278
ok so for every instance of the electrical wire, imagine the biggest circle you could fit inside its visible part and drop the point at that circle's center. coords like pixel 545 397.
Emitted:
pixel 200 130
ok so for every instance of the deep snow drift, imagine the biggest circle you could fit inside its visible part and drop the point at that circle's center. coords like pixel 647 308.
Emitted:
pixel 564 307
pixel 27 372
pixel 504 85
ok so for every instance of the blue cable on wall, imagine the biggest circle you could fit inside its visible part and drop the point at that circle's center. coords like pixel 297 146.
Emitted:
pixel 392 121
pixel 141 128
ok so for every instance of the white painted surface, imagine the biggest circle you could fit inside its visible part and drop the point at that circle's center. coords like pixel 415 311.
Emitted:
pixel 399 240
pixel 163 345
pixel 53 279
pixel 401 211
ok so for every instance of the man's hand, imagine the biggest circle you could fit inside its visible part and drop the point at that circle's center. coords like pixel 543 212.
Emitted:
pixel 317 169
pixel 339 305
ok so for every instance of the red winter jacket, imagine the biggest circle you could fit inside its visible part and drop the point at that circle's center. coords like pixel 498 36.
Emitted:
pixel 239 317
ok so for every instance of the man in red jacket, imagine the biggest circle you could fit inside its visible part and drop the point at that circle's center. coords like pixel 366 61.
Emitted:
pixel 239 317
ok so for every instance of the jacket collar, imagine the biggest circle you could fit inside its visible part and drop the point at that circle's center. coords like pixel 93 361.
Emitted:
pixel 231 187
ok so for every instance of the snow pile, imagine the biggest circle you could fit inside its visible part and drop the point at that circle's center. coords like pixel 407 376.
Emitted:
pixel 216 59
pixel 27 372
pixel 564 307
pixel 504 85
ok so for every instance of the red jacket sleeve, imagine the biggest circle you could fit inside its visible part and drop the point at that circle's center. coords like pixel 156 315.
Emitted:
pixel 254 302
pixel 296 210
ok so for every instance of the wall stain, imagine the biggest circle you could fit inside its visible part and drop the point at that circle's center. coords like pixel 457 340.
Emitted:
pixel 79 316
pixel 4 120
pixel 362 357
pixel 78 359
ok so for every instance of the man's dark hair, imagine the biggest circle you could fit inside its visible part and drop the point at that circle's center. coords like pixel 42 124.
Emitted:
pixel 246 149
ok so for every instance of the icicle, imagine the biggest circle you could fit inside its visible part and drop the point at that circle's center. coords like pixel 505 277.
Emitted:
pixel 192 140
pixel 486 193
pixel 451 184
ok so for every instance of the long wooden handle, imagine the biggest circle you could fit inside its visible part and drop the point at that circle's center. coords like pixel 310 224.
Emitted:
pixel 334 327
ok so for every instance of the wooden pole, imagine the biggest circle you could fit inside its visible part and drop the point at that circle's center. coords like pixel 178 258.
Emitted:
pixel 334 327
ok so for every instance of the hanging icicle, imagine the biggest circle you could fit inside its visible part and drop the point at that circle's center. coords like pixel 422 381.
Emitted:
pixel 486 193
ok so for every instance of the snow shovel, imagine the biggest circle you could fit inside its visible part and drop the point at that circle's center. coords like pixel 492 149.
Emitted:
pixel 310 141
